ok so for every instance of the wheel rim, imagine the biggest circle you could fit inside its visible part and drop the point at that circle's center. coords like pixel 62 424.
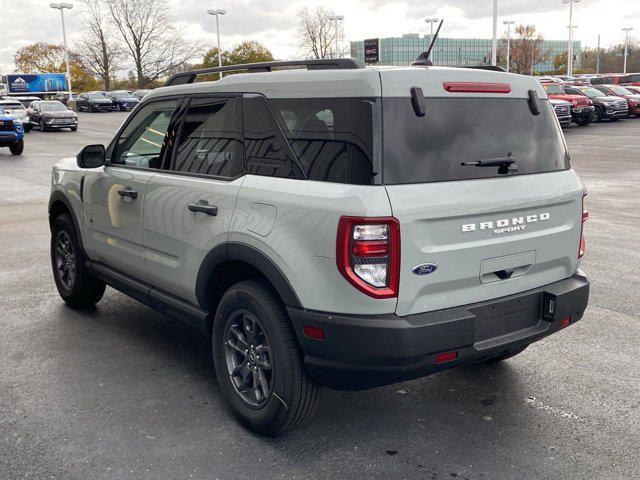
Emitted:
pixel 249 359
pixel 65 260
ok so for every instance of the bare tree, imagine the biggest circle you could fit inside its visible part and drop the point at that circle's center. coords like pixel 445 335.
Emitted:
pixel 153 44
pixel 526 50
pixel 317 33
pixel 99 52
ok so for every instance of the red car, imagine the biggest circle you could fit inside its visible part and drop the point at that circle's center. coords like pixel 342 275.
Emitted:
pixel 633 89
pixel 609 79
pixel 633 99
pixel 631 79
pixel 581 107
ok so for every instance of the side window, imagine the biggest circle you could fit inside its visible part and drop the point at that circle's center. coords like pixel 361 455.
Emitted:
pixel 331 137
pixel 143 141
pixel 209 140
pixel 265 149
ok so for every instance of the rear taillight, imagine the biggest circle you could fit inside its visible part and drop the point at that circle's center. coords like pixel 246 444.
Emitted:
pixel 368 254
pixel 585 217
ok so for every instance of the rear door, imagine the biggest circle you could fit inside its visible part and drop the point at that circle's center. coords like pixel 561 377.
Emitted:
pixel 190 203
pixel 471 233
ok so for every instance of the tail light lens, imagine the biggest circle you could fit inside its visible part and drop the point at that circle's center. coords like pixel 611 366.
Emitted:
pixel 368 254
pixel 585 217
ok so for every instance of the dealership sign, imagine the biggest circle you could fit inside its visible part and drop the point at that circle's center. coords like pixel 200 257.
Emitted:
pixel 36 83
pixel 372 50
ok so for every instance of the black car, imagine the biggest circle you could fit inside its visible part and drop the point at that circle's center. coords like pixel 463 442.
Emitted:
pixel 93 102
pixel 611 108
pixel 123 101
pixel 52 115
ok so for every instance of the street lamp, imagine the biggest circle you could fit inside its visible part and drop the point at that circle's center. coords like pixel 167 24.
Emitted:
pixel 61 7
pixel 336 18
pixel 494 40
pixel 626 46
pixel 571 27
pixel 217 12
pixel 432 21
pixel 508 23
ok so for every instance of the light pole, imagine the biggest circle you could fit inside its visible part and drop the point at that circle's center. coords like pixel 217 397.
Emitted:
pixel 571 27
pixel 217 12
pixel 336 19
pixel 598 57
pixel 626 47
pixel 494 40
pixel 432 21
pixel 61 7
pixel 508 23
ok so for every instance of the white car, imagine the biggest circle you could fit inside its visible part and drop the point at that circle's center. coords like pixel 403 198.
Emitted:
pixel 17 109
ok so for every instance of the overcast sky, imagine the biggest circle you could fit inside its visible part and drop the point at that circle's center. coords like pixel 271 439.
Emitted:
pixel 273 22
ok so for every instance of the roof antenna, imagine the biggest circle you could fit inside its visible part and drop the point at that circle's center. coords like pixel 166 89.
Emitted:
pixel 423 58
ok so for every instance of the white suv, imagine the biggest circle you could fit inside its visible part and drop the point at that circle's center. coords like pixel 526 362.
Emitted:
pixel 331 224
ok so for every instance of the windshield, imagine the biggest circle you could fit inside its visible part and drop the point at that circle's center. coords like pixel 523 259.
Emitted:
pixel 620 90
pixel 120 95
pixel 52 107
pixel 466 130
pixel 591 92
pixel 554 89
pixel 95 96
pixel 13 106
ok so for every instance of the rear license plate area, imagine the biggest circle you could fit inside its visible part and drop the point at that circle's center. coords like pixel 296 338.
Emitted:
pixel 498 319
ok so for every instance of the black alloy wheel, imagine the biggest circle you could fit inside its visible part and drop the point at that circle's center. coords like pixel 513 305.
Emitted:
pixel 65 260
pixel 248 356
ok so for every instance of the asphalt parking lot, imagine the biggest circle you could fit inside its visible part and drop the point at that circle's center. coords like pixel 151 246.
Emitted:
pixel 125 393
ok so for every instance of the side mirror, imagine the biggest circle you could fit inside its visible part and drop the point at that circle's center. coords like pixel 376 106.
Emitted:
pixel 91 156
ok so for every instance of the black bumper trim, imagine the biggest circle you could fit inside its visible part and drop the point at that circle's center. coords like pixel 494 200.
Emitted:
pixel 362 352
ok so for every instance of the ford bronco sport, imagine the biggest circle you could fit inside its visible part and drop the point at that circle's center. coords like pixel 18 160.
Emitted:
pixel 331 224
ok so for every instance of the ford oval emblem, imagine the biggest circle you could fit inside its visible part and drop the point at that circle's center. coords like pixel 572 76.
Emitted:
pixel 425 269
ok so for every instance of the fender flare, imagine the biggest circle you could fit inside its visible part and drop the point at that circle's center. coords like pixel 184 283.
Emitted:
pixel 235 251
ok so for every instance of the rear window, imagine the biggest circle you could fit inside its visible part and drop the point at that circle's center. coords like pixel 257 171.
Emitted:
pixel 332 138
pixel 458 130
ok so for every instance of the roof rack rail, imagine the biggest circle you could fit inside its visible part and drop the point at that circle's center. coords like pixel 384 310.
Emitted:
pixel 184 78
pixel 488 67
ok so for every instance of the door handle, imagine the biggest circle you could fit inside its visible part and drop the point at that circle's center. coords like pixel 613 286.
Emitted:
pixel 128 192
pixel 203 206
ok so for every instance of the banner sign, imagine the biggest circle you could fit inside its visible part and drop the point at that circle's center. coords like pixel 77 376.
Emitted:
pixel 38 83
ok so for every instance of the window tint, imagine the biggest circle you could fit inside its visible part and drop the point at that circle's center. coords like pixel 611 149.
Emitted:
pixel 462 130
pixel 265 148
pixel 332 138
pixel 209 141
pixel 143 141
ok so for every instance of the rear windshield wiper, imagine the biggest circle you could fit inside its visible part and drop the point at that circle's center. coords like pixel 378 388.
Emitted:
pixel 491 162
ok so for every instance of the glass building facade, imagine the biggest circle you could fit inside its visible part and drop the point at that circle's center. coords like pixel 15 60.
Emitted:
pixel 455 52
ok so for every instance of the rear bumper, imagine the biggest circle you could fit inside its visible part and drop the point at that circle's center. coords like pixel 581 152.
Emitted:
pixel 360 352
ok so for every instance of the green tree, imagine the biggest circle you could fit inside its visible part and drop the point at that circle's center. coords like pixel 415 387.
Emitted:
pixel 245 52
pixel 560 62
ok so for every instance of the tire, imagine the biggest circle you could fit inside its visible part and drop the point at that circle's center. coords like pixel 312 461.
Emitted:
pixel 76 287
pixel 17 148
pixel 74 129
pixel 27 128
pixel 597 115
pixel 506 356
pixel 42 126
pixel 251 315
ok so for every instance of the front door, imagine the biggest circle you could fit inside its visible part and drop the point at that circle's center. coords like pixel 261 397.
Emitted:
pixel 114 196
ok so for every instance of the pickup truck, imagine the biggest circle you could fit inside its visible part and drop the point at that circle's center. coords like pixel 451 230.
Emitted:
pixel 581 107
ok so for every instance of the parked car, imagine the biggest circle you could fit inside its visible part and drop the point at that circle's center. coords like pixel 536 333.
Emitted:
pixel 139 94
pixel 123 101
pixel 52 115
pixel 606 108
pixel 15 108
pixel 63 97
pixel 631 79
pixel 633 99
pixel 26 101
pixel 581 107
pixel 11 133
pixel 318 238
pixel 608 79
pixel 633 89
pixel 563 111
pixel 93 102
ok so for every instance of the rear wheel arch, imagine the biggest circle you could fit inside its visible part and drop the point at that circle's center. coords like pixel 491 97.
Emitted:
pixel 229 264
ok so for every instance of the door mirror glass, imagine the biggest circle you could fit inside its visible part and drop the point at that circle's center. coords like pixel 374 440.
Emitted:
pixel 91 156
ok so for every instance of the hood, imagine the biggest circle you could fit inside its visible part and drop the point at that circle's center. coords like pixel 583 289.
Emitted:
pixel 6 117
pixel 60 114
pixel 577 99
pixel 21 114
pixel 608 98
pixel 556 101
